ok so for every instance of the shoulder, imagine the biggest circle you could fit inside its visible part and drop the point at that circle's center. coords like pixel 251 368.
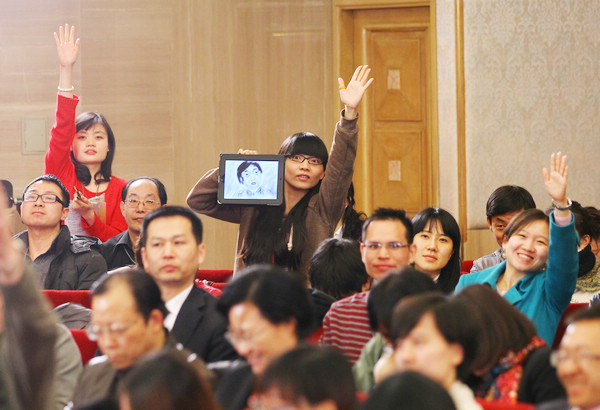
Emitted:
pixel 488 261
pixel 115 240
pixel 489 275
pixel 358 299
pixel 82 244
pixel 117 182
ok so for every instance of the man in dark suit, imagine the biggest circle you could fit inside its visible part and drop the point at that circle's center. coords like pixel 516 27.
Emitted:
pixel 172 249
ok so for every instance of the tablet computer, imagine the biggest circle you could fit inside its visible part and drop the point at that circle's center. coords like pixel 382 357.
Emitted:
pixel 251 179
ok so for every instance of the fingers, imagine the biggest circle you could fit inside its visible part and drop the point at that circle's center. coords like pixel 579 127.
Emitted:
pixel 558 162
pixel 72 34
pixel 364 74
pixel 66 35
pixel 341 84
pixel 247 152
pixel 356 73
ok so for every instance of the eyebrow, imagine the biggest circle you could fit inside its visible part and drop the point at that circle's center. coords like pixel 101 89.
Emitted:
pixel 35 191
pixel 181 235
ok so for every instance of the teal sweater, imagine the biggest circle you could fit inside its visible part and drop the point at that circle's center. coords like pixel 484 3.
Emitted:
pixel 542 296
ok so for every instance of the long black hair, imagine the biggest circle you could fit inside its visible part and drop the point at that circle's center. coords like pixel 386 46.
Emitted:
pixel 266 241
pixel 352 220
pixel 84 122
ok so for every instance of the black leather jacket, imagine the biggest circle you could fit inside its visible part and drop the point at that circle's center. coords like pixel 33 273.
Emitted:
pixel 77 263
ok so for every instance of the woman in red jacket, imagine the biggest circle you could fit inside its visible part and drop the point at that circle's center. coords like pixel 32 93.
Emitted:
pixel 81 152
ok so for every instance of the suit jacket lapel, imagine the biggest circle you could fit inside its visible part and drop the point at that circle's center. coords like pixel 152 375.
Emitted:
pixel 190 316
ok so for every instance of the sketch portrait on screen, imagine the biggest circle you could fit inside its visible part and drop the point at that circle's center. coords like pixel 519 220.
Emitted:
pixel 251 179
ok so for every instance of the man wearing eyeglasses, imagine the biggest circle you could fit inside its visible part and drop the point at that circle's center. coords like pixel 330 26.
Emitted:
pixel 139 197
pixel 127 322
pixel 387 235
pixel 577 362
pixel 63 261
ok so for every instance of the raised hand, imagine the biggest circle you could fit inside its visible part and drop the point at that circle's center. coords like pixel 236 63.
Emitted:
pixel 352 94
pixel 67 45
pixel 556 178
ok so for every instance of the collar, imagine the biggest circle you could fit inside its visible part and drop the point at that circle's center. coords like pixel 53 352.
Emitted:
pixel 174 306
pixel 59 243
pixel 517 292
pixel 125 239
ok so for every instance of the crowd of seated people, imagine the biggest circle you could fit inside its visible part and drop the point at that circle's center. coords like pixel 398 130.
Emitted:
pixel 399 326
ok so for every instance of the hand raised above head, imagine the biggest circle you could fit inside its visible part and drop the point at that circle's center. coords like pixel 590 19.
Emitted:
pixel 67 45
pixel 556 179
pixel 352 94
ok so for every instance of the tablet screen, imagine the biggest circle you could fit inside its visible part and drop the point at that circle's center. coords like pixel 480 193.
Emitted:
pixel 251 179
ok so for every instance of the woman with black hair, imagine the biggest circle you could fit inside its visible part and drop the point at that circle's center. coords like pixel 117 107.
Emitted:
pixel 289 234
pixel 81 152
pixel 435 250
pixel 512 363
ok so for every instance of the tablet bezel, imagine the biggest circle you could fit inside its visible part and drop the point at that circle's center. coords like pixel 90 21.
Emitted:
pixel 278 200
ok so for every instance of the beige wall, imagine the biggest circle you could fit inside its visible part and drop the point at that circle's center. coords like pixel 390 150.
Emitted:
pixel 179 81
pixel 184 80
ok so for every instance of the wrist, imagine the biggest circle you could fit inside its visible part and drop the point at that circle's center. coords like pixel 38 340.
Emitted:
pixel 350 113
pixel 562 205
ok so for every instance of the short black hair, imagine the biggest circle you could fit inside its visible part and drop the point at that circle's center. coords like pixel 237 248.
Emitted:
pixel 506 199
pixel 56 181
pixel 162 192
pixel 143 288
pixel 313 374
pixel 242 167
pixel 168 212
pixel 409 390
pixel 453 320
pixel 337 269
pixel 392 289
pixel 279 295
pixel 151 382
pixel 389 214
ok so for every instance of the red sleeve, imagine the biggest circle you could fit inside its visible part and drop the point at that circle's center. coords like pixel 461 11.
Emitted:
pixel 58 157
pixel 115 222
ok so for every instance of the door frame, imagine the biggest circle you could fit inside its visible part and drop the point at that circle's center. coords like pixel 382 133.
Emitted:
pixel 342 32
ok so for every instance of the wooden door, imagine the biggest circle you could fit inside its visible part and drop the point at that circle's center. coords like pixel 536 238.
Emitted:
pixel 397 160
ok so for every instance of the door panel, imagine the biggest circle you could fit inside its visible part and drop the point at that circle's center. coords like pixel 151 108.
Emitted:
pixel 396 150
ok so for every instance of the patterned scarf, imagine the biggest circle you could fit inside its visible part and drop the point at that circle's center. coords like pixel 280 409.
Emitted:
pixel 501 382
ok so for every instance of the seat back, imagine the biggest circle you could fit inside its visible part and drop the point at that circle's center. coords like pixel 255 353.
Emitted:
pixel 562 325
pixel 87 347
pixel 466 266
pixel 58 297
pixel 214 275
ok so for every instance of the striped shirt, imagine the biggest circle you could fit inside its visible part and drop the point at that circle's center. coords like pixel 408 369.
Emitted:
pixel 346 325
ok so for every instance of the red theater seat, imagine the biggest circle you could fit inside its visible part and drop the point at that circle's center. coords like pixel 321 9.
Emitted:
pixel 58 297
pixel 87 348
pixel 562 325
pixel 466 266
pixel 214 275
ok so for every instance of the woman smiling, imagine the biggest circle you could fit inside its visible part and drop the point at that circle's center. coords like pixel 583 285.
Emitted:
pixel 541 266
